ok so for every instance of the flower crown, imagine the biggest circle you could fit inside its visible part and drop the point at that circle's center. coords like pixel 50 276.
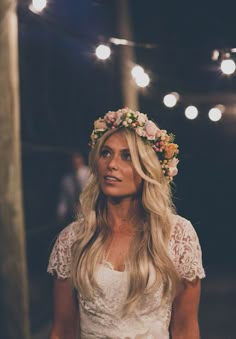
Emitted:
pixel 158 139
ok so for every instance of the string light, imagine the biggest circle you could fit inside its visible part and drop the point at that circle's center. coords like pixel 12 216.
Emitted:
pixel 125 42
pixel 171 99
pixel 228 66
pixel 38 6
pixel 136 71
pixel 215 114
pixel 141 78
pixel 103 52
pixel 191 112
pixel 215 55
pixel 221 108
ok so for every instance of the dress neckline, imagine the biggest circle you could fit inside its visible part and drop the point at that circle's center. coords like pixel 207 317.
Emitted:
pixel 109 265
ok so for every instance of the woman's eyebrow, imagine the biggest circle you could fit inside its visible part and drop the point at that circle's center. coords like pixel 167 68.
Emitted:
pixel 106 147
pixel 110 148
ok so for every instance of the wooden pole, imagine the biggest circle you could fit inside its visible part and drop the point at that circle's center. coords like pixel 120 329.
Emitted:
pixel 14 315
pixel 129 89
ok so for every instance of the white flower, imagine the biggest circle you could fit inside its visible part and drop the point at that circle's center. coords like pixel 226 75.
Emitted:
pixel 124 110
pixel 140 131
pixel 142 118
pixel 119 119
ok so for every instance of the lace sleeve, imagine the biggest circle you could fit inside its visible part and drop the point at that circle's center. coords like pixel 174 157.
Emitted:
pixel 60 257
pixel 185 250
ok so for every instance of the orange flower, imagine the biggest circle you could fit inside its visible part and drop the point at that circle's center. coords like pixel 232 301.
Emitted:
pixel 170 150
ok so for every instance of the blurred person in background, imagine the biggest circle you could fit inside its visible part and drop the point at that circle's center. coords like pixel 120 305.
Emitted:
pixel 130 266
pixel 71 186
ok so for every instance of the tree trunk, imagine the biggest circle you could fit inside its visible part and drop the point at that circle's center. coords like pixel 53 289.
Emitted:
pixel 14 316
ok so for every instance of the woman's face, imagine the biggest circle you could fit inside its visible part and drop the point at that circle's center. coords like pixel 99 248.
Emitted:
pixel 116 174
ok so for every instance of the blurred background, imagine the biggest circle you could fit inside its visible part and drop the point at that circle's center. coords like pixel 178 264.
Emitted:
pixel 187 84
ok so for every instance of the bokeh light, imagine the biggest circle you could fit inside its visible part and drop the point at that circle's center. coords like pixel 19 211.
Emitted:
pixel 171 99
pixel 103 52
pixel 37 5
pixel 215 114
pixel 191 112
pixel 228 66
pixel 142 80
pixel 137 71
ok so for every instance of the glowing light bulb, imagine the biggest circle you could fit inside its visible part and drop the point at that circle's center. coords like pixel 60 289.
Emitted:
pixel 137 71
pixel 191 112
pixel 220 107
pixel 215 55
pixel 171 99
pixel 103 52
pixel 228 66
pixel 215 114
pixel 38 5
pixel 142 80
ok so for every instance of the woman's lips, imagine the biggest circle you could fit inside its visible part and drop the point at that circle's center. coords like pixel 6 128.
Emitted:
pixel 111 178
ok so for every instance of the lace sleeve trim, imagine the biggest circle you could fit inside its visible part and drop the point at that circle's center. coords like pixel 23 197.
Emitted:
pixel 60 257
pixel 185 250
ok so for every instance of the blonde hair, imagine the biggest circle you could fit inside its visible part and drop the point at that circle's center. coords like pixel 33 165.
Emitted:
pixel 150 246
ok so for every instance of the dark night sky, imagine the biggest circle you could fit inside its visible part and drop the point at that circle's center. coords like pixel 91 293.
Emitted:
pixel 64 87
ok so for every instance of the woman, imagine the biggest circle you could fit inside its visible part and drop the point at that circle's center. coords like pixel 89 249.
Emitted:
pixel 129 267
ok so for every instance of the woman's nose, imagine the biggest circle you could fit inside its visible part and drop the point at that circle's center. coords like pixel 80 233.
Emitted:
pixel 113 163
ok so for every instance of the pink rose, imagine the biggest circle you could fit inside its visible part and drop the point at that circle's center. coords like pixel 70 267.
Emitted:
pixel 110 116
pixel 151 130
pixel 100 124
pixel 173 170
pixel 173 162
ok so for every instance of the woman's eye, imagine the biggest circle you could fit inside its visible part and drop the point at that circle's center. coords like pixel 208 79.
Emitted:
pixel 126 156
pixel 105 153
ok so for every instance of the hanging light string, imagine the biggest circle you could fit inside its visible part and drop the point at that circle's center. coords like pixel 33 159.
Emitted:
pixel 125 42
pixel 226 59
pixel 140 77
pixel 38 6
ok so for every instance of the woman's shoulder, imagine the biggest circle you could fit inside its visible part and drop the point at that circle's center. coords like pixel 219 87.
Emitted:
pixel 185 249
pixel 68 234
pixel 72 232
pixel 60 257
pixel 182 232
pixel 180 225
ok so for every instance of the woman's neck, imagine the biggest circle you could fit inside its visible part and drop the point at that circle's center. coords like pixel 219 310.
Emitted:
pixel 123 213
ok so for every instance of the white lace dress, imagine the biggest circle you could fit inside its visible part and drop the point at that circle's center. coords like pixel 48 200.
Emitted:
pixel 101 316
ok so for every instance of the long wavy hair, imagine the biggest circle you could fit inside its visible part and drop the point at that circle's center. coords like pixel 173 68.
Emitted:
pixel 150 246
